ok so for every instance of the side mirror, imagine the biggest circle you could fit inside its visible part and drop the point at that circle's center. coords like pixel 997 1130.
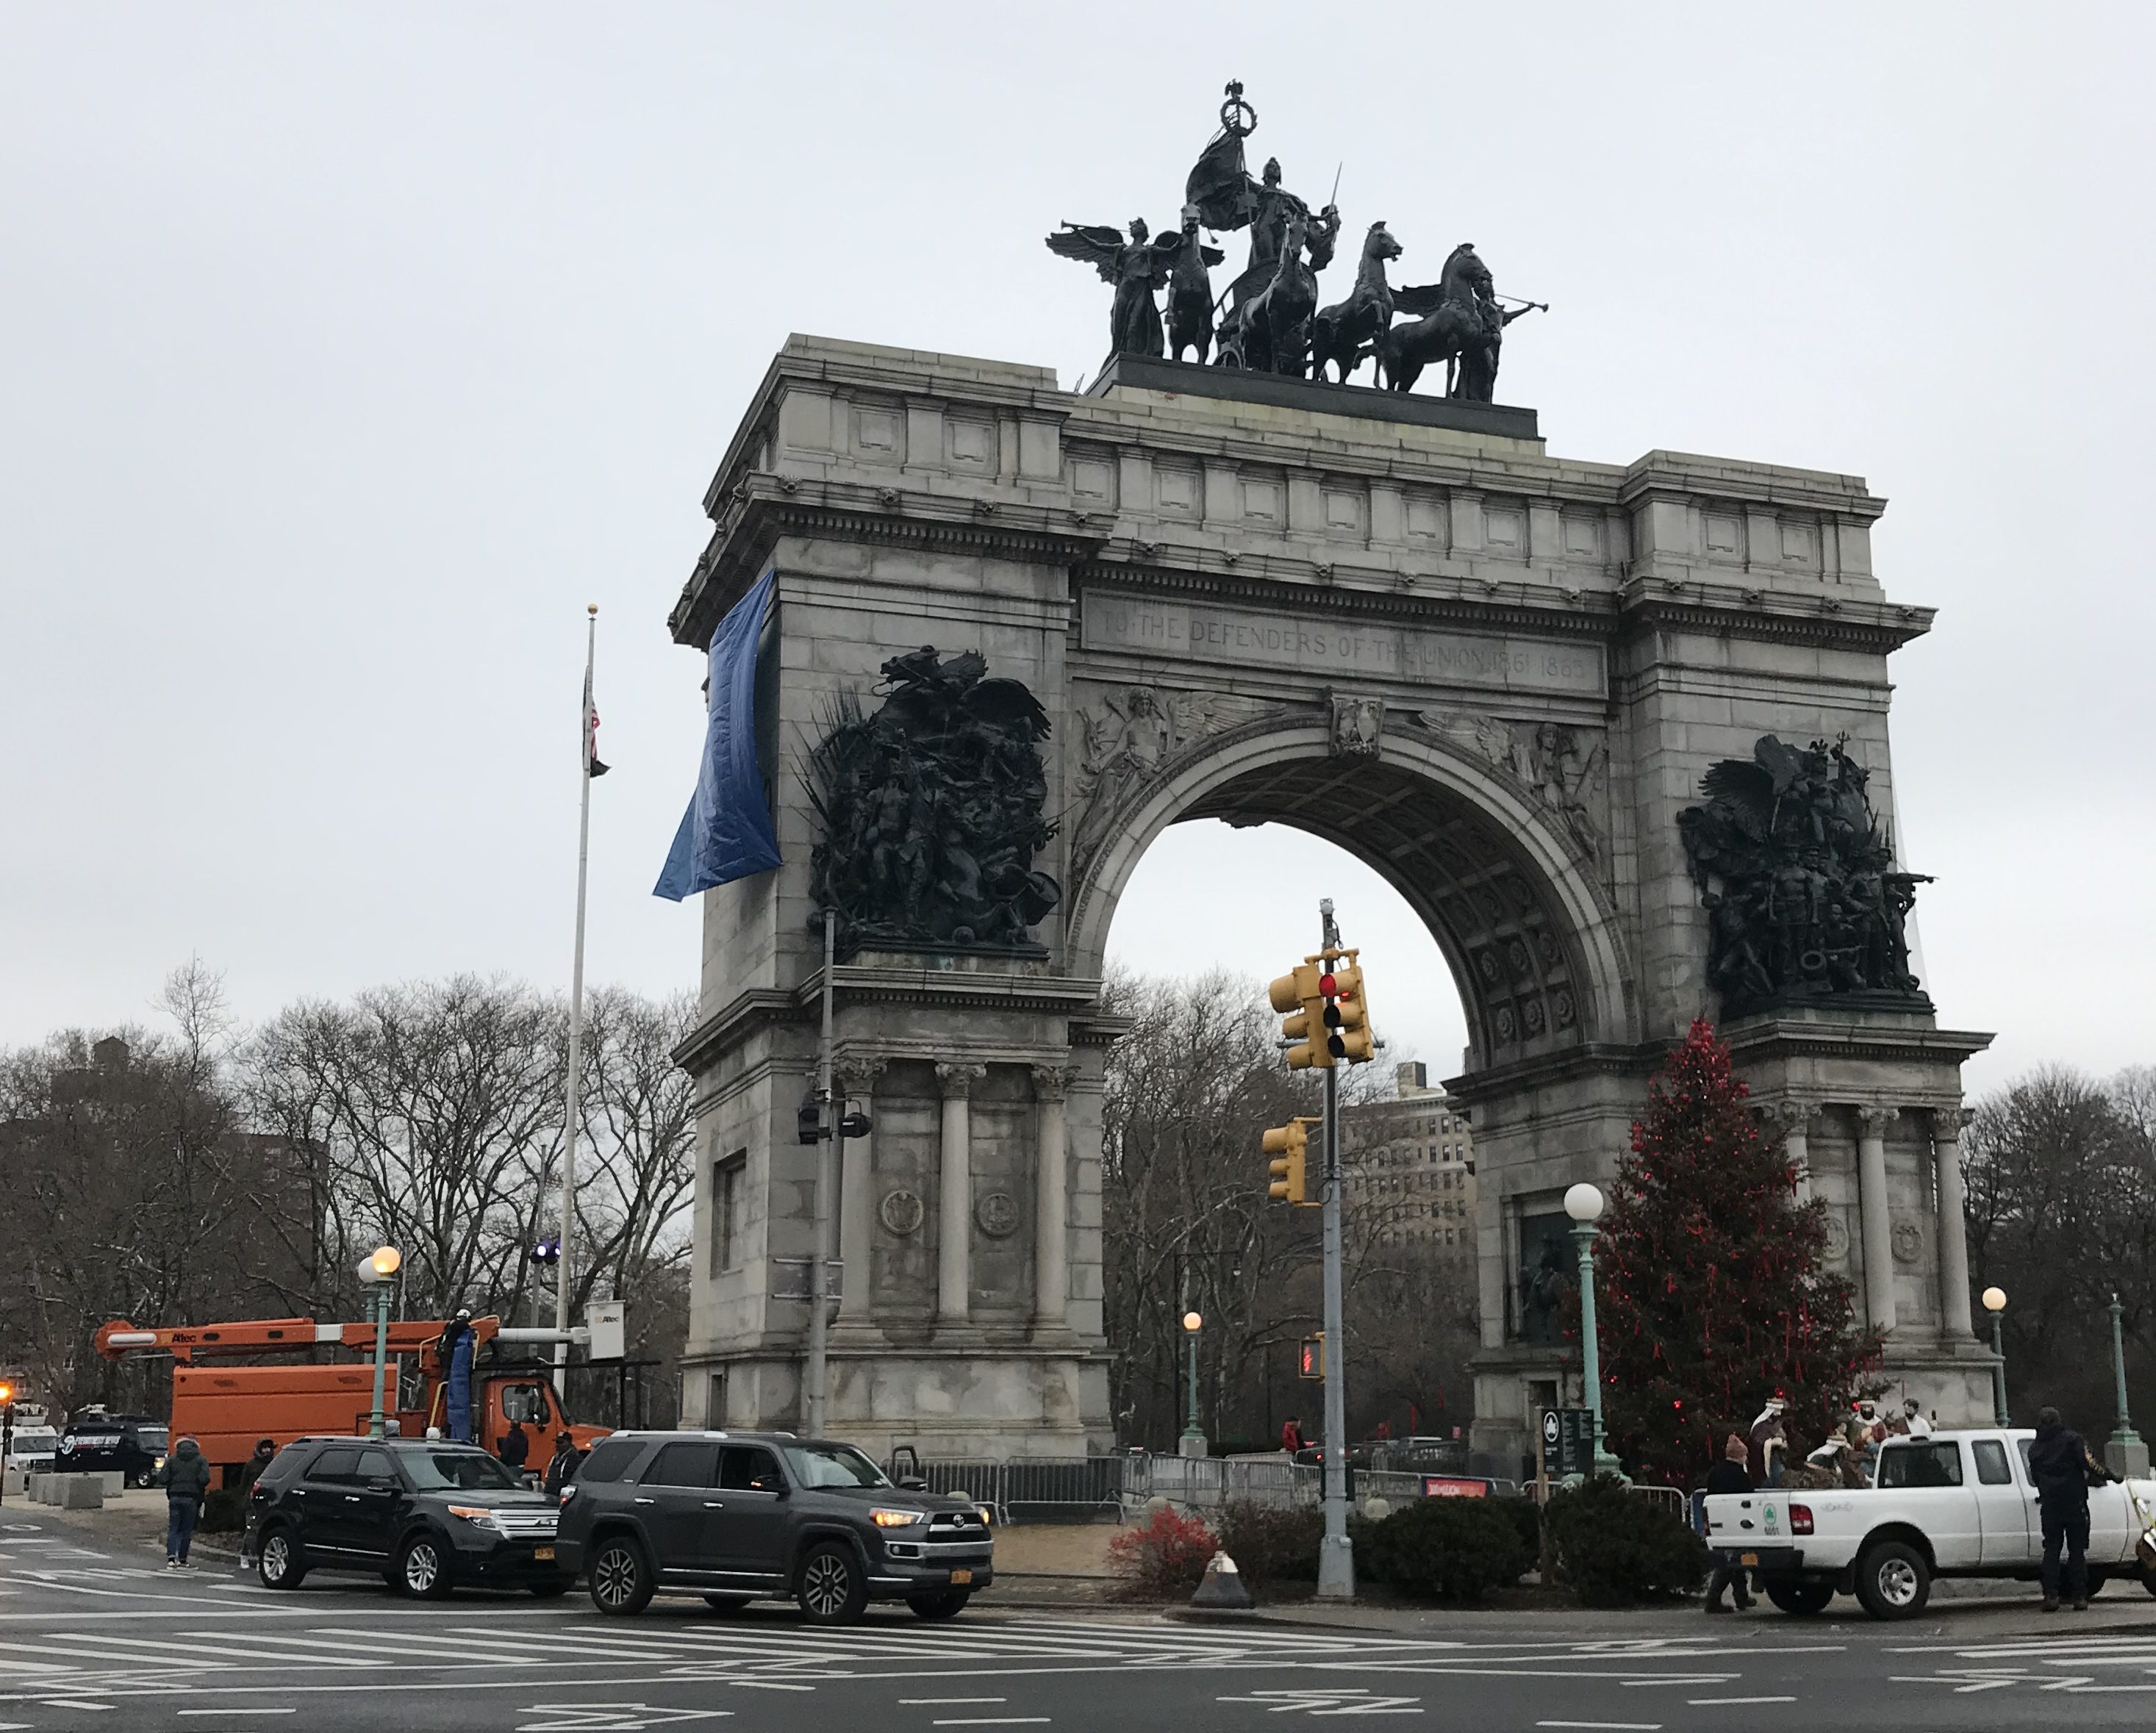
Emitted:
pixel 379 1485
pixel 911 1482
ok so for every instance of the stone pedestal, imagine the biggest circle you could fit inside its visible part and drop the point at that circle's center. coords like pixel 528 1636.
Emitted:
pixel 2127 1457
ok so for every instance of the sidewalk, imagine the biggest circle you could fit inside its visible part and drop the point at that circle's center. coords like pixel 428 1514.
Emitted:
pixel 2124 1610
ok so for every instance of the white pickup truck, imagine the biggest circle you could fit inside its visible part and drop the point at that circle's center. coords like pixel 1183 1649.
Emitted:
pixel 1956 1504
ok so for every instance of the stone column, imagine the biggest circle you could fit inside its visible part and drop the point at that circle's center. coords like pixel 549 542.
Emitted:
pixel 1871 1203
pixel 1953 1240
pixel 1051 1200
pixel 954 1221
pixel 1795 1120
pixel 857 1076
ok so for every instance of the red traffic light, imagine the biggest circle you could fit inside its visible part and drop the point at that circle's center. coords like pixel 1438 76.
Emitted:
pixel 1327 985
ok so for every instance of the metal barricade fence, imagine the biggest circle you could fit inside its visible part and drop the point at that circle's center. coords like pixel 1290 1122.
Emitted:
pixel 1668 1497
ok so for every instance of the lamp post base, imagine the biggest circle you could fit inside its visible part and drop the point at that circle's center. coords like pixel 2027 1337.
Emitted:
pixel 1335 1569
pixel 1191 1443
pixel 2126 1455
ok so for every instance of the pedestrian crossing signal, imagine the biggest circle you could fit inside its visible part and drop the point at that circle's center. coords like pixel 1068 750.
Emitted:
pixel 1310 1357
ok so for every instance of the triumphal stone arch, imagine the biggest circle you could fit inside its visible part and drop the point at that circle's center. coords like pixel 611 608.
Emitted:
pixel 1618 735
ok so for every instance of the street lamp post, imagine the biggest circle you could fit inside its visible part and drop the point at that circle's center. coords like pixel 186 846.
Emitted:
pixel 1995 1302
pixel 2124 1453
pixel 375 1269
pixel 1193 1441
pixel 1583 1203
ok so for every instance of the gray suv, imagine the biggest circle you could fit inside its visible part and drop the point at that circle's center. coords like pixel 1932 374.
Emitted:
pixel 736 1516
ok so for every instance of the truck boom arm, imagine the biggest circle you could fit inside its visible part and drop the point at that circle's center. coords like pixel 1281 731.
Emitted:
pixel 187 1342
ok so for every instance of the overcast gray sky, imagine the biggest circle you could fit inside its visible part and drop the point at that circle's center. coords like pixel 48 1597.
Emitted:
pixel 346 352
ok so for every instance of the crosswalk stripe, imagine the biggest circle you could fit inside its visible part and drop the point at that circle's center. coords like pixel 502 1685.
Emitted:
pixel 226 1650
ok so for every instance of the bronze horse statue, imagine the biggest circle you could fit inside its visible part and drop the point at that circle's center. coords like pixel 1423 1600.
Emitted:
pixel 1347 330
pixel 1190 290
pixel 1453 322
pixel 1274 333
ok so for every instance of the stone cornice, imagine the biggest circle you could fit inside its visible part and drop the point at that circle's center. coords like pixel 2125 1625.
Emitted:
pixel 1828 1037
pixel 1319 585
pixel 764 507
pixel 1650 604
pixel 1589 1058
pixel 1040 995
pixel 1683 475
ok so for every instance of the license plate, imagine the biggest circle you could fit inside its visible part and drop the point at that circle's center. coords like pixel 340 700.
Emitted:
pixel 961 1576
pixel 543 1552
pixel 1747 1558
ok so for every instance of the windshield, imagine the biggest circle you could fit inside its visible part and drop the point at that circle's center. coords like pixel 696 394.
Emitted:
pixel 152 1437
pixel 457 1471
pixel 832 1465
pixel 36 1437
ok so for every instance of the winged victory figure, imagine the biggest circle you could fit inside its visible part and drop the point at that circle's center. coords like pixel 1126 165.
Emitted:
pixel 1138 268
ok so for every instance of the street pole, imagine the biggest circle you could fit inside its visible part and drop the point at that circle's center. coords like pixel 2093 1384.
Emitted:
pixel 815 1374
pixel 567 1264
pixel 376 1421
pixel 1193 1441
pixel 1995 1302
pixel 1335 1559
pixel 1584 1231
pixel 2125 1454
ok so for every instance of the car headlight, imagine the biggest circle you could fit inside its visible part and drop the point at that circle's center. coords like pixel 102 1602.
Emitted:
pixel 480 1517
pixel 886 1519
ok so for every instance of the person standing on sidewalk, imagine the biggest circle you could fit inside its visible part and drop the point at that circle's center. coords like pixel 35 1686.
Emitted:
pixel 2060 1463
pixel 250 1471
pixel 185 1478
pixel 1729 1475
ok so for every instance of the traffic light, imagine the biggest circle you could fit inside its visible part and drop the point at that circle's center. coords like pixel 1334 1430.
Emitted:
pixel 1300 993
pixel 808 1122
pixel 1310 1358
pixel 1288 1145
pixel 1348 1016
pixel 546 1251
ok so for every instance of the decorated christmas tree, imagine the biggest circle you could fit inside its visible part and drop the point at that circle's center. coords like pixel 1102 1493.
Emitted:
pixel 1710 1295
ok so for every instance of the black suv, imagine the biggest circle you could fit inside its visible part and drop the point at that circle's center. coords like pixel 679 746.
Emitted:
pixel 426 1516
pixel 739 1515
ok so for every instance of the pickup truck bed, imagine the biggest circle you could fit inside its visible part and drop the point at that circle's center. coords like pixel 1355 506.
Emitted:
pixel 1957 1504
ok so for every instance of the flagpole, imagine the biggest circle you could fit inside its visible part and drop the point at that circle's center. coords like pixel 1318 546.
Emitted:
pixel 564 1269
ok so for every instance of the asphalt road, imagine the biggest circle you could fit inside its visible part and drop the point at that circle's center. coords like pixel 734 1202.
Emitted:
pixel 94 1635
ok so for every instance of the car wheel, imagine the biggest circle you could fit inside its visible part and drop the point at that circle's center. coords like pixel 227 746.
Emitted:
pixel 2096 1579
pixel 834 1590
pixel 1893 1581
pixel 728 1603
pixel 552 1590
pixel 1804 1600
pixel 280 1565
pixel 947 1604
pixel 423 1569
pixel 144 1481
pixel 2148 1579
pixel 621 1578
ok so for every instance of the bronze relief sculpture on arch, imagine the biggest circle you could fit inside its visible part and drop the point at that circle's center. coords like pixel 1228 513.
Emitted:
pixel 1269 320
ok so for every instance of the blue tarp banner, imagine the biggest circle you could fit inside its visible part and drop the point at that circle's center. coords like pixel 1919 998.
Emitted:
pixel 727 833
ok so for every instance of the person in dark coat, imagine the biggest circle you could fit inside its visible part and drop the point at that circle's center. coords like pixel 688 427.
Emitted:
pixel 1729 1475
pixel 250 1471
pixel 2060 1465
pixel 185 1478
pixel 563 1465
pixel 516 1446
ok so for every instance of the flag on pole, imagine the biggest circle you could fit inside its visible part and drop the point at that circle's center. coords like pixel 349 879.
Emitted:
pixel 593 768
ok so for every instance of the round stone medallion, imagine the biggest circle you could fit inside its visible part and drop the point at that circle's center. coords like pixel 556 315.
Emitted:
pixel 902 1211
pixel 1908 1242
pixel 997 1214
pixel 1837 1238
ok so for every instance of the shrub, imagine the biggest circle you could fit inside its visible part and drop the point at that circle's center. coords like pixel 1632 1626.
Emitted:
pixel 1164 1553
pixel 1269 1545
pixel 1447 1550
pixel 1526 1517
pixel 224 1512
pixel 1614 1548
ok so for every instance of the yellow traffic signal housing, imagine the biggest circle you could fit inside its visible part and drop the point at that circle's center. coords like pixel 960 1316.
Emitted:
pixel 1348 1035
pixel 1288 1145
pixel 1298 992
